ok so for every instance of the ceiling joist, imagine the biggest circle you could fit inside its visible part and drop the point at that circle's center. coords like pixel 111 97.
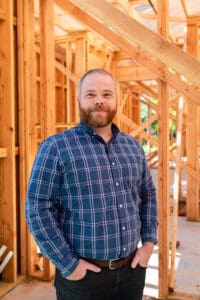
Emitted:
pixel 139 35
pixel 134 39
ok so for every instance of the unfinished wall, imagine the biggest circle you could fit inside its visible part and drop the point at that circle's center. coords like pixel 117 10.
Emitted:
pixel 39 71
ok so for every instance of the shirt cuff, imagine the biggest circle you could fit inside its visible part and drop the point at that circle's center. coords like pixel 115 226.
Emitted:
pixel 69 269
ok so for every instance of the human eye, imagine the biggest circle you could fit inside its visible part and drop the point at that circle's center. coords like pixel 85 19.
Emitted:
pixel 107 95
pixel 90 94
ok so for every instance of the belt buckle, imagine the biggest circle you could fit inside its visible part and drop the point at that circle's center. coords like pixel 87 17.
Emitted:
pixel 110 263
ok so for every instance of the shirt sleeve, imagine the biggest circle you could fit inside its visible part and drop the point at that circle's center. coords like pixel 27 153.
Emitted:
pixel 41 209
pixel 148 207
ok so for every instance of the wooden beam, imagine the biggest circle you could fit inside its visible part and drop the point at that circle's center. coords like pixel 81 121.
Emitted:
pixel 176 19
pixel 47 86
pixel 70 82
pixel 182 296
pixel 154 5
pixel 136 131
pixel 163 162
pixel 176 193
pixel 133 74
pixel 192 39
pixel 3 152
pixel 192 140
pixel 80 67
pixel 66 72
pixel 130 10
pixel 193 19
pixel 184 8
pixel 148 89
pixel 163 189
pixel 134 52
pixel 2 15
pixel 22 135
pixel 108 62
pixel 139 35
pixel 28 106
pixel 8 210
pixel 47 68
pixel 193 132
pixel 187 168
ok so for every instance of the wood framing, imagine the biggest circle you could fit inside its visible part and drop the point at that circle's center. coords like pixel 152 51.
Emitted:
pixel 47 46
pixel 136 33
pixel 155 67
pixel 163 162
pixel 193 128
pixel 7 141
pixel 27 114
pixel 47 69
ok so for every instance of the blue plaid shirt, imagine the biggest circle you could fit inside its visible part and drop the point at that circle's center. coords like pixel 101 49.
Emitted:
pixel 90 198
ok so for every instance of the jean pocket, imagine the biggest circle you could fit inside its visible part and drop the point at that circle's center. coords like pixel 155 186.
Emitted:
pixel 141 267
pixel 73 281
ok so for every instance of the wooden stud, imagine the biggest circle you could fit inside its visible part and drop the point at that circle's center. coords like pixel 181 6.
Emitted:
pixel 163 163
pixel 163 189
pixel 80 66
pixel 22 135
pixel 7 140
pixel 28 113
pixel 176 193
pixel 3 152
pixel 69 63
pixel 129 73
pixel 47 68
pixel 47 86
pixel 193 133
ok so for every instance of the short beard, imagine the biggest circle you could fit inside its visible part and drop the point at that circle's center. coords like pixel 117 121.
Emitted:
pixel 88 118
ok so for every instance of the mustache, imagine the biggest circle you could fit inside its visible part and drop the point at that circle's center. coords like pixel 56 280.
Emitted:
pixel 100 107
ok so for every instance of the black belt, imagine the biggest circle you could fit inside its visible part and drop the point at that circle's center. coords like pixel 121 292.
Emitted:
pixel 113 263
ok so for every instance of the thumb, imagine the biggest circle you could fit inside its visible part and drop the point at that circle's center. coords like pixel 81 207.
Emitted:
pixel 92 267
pixel 135 261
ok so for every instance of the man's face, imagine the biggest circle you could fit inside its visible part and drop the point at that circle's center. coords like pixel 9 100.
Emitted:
pixel 97 100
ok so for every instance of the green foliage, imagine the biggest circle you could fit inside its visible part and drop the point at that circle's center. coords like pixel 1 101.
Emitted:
pixel 152 130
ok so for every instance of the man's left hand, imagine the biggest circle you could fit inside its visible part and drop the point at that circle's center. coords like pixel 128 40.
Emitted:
pixel 142 255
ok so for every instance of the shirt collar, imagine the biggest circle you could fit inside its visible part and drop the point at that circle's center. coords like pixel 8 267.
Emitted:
pixel 115 129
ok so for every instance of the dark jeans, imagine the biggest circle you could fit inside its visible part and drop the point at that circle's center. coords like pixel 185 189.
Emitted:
pixel 118 284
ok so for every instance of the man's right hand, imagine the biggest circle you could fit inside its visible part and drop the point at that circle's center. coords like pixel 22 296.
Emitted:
pixel 81 270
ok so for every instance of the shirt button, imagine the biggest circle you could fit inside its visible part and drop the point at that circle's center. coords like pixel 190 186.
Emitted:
pixel 124 249
pixel 117 183
pixel 113 163
pixel 121 205
pixel 123 227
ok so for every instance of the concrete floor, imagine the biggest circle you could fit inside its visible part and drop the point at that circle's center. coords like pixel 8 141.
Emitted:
pixel 36 290
pixel 32 290
pixel 187 274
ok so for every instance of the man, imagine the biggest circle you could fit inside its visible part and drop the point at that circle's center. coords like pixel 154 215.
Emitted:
pixel 91 200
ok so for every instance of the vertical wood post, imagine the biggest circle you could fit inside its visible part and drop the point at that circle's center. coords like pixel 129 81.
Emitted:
pixel 80 67
pixel 176 192
pixel 163 189
pixel 47 68
pixel 22 135
pixel 193 129
pixel 28 104
pixel 7 140
pixel 163 163
pixel 47 86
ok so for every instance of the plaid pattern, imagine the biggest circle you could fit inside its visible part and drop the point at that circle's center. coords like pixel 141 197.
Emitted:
pixel 88 198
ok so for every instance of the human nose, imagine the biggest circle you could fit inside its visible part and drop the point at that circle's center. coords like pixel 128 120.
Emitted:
pixel 98 100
